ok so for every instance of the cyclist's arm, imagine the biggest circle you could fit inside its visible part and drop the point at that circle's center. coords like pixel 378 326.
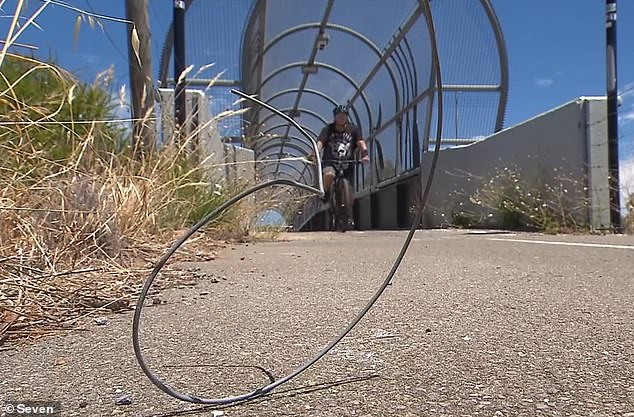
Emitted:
pixel 363 147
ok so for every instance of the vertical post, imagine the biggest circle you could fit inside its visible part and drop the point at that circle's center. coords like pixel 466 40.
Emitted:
pixel 456 113
pixel 141 84
pixel 613 120
pixel 180 98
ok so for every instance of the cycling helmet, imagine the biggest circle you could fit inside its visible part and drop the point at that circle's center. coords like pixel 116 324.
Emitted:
pixel 340 109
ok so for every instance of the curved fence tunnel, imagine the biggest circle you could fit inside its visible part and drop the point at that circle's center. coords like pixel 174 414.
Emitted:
pixel 374 56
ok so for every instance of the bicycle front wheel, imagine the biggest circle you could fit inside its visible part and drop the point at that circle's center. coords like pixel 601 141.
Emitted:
pixel 344 199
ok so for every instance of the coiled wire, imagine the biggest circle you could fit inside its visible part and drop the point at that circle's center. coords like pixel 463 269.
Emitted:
pixel 156 380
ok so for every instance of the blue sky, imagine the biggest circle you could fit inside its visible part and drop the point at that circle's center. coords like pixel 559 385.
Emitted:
pixel 556 49
pixel 557 52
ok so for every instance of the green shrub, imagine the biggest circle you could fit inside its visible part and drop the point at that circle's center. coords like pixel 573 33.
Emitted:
pixel 52 110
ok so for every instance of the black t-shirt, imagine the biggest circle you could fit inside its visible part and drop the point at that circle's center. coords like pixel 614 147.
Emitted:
pixel 339 145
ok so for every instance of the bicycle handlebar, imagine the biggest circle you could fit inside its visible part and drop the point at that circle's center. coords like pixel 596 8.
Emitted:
pixel 339 161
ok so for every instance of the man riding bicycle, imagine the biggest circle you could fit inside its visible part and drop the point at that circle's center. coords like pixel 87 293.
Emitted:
pixel 339 141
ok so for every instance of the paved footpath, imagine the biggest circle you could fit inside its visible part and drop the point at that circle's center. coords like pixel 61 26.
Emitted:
pixel 474 325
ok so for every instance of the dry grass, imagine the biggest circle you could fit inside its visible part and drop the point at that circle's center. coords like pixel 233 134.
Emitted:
pixel 80 227
pixel 83 217
pixel 555 206
pixel 628 223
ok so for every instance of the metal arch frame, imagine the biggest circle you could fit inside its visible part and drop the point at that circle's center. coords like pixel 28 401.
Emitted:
pixel 415 100
pixel 273 174
pixel 407 60
pixel 343 29
pixel 414 69
pixel 306 175
pixel 329 67
pixel 504 64
pixel 384 57
pixel 387 52
pixel 334 69
pixel 281 143
pixel 429 91
pixel 294 90
pixel 294 151
pixel 486 4
pixel 296 173
pixel 264 132
pixel 415 139
pixel 264 154
pixel 282 162
pixel 262 151
pixel 403 64
pixel 299 128
pixel 502 89
pixel 292 146
pixel 317 93
pixel 312 57
pixel 293 172
pixel 406 66
pixel 277 171
pixel 263 169
pixel 260 147
pixel 303 172
pixel 402 71
pixel 325 25
pixel 287 110
pixel 268 156
pixel 265 141
pixel 248 23
pixel 402 132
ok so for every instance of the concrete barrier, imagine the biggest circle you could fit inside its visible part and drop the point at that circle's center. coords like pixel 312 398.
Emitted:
pixel 239 165
pixel 567 145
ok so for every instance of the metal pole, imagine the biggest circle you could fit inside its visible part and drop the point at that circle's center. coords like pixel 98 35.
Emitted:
pixel 141 84
pixel 180 98
pixel 613 121
pixel 456 113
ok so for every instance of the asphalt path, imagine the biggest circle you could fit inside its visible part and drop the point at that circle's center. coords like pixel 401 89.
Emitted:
pixel 491 324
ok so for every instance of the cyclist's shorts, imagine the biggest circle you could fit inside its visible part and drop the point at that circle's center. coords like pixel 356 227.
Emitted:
pixel 348 173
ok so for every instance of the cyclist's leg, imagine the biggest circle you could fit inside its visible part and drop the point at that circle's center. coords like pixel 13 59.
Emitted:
pixel 349 176
pixel 333 209
pixel 329 177
pixel 348 195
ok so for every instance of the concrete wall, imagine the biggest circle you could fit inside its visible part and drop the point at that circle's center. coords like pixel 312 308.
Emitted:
pixel 565 148
pixel 567 145
pixel 239 165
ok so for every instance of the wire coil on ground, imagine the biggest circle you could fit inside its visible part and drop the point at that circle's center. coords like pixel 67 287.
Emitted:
pixel 319 191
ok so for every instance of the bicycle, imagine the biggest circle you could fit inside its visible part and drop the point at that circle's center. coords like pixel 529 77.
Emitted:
pixel 341 198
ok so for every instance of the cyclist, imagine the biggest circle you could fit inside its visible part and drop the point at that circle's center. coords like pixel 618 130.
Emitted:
pixel 339 140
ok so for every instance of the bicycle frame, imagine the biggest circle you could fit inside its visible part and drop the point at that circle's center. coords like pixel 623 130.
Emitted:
pixel 337 221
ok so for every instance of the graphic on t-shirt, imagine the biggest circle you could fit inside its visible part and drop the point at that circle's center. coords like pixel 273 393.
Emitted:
pixel 340 145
